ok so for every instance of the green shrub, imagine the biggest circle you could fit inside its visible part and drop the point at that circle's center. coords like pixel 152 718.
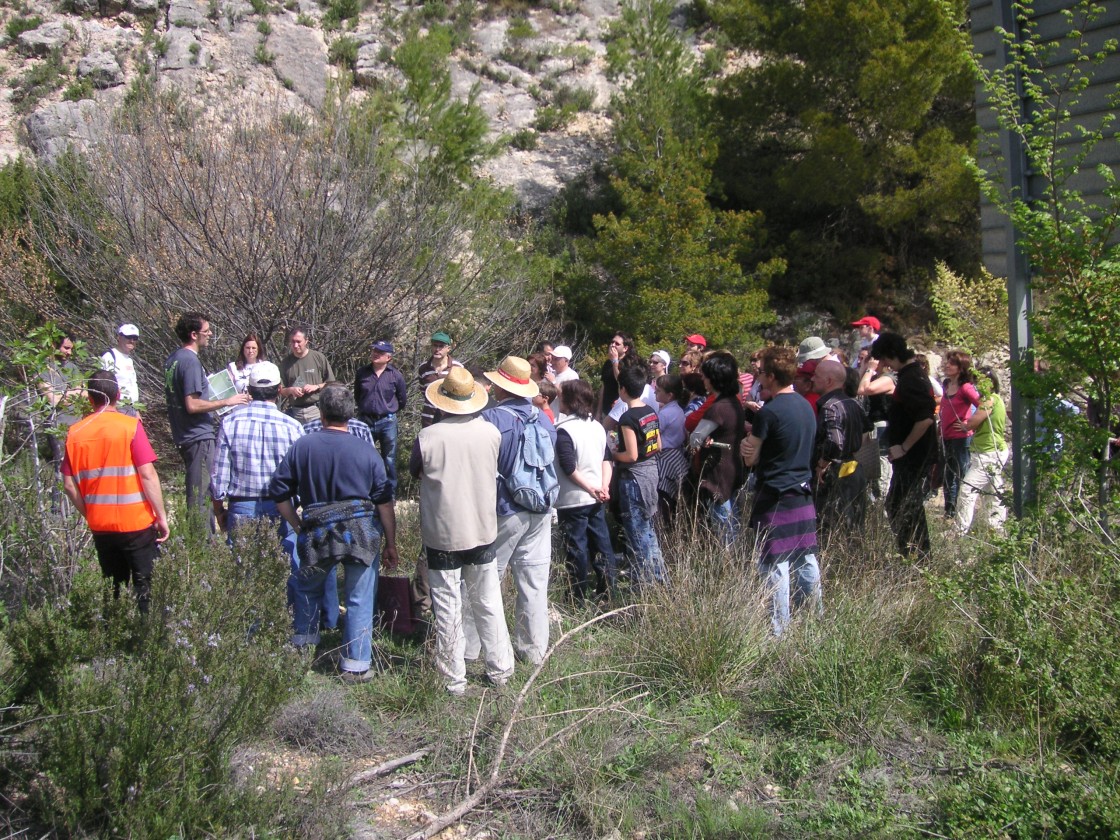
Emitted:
pixel 136 718
pixel 260 7
pixel 17 186
pixel 41 79
pixel 344 51
pixel 264 27
pixel 551 118
pixel 579 99
pixel 520 28
pixel 1028 802
pixel 79 89
pixel 338 11
pixel 524 140
pixel 18 25
pixel 263 56
pixel 435 10
pixel 1049 611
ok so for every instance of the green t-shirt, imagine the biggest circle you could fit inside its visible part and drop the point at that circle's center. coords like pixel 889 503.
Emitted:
pixel 989 437
pixel 312 369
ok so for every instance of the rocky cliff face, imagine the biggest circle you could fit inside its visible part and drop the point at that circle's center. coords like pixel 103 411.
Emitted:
pixel 539 74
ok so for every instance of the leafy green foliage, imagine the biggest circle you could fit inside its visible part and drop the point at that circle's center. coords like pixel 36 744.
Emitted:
pixel 138 718
pixel 79 89
pixel 17 184
pixel 971 313
pixel 849 135
pixel 524 140
pixel 423 126
pixel 42 78
pixel 1048 622
pixel 673 259
pixel 1057 800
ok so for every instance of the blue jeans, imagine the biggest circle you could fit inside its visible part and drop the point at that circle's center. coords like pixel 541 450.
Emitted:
pixel 242 514
pixel 638 526
pixel 807 587
pixel 360 589
pixel 585 535
pixel 725 520
pixel 385 437
pixel 957 460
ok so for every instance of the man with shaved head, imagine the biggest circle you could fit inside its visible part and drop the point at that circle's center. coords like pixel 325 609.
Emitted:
pixel 840 486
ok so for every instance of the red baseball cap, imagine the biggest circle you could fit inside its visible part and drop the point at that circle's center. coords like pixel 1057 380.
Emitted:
pixel 868 321
pixel 696 338
pixel 809 367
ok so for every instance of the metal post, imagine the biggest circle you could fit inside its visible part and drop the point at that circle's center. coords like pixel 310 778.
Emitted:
pixel 1017 182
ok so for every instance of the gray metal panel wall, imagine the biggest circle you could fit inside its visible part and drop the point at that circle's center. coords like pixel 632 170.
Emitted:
pixel 1094 103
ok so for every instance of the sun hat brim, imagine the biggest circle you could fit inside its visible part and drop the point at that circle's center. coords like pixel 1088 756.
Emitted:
pixel 451 405
pixel 519 389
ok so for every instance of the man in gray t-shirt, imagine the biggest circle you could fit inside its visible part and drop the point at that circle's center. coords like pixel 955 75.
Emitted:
pixel 192 428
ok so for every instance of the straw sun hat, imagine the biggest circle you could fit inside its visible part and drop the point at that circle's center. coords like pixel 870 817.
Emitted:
pixel 457 393
pixel 512 376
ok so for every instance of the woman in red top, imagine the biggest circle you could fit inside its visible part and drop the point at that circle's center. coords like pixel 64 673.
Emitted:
pixel 959 401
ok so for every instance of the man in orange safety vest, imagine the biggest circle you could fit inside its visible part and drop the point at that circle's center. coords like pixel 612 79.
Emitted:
pixel 109 474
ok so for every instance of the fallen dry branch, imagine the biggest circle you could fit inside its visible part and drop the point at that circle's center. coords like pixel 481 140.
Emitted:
pixel 386 767
pixel 499 771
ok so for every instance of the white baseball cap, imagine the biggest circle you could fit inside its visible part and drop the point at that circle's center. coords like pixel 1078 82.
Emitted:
pixel 264 375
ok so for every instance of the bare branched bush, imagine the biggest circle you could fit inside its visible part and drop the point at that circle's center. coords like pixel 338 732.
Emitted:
pixel 268 222
pixel 325 724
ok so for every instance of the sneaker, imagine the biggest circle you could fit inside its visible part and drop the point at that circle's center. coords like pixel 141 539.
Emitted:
pixel 355 677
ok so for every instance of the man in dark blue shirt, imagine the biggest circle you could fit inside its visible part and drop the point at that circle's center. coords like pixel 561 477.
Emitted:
pixel 381 392
pixel 347 506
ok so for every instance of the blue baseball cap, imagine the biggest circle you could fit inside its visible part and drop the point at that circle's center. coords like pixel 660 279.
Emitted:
pixel 383 346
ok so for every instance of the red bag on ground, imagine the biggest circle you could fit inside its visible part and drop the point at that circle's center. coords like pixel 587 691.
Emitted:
pixel 394 605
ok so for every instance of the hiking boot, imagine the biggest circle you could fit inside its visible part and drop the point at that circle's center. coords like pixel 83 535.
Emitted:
pixel 356 677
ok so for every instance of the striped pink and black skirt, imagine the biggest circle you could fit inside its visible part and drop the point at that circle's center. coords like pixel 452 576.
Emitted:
pixel 785 524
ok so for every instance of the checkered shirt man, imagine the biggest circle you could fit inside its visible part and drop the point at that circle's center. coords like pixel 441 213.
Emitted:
pixel 252 442
pixel 357 428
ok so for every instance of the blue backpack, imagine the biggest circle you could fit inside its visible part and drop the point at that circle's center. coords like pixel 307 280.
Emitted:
pixel 533 484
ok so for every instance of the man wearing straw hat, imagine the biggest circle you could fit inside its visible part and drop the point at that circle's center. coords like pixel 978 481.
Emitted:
pixel 456 461
pixel 524 537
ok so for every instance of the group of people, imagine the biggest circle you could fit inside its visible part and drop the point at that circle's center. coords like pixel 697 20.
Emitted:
pixel 501 453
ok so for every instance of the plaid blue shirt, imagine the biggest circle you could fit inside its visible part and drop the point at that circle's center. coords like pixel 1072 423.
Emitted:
pixel 251 444
pixel 357 428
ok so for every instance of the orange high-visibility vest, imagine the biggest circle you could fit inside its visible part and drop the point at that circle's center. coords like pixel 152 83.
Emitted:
pixel 99 450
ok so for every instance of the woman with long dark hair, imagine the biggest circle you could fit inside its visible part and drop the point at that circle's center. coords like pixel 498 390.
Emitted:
pixel 252 351
pixel 584 470
pixel 672 460
pixel 620 354
pixel 958 402
pixel 718 470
